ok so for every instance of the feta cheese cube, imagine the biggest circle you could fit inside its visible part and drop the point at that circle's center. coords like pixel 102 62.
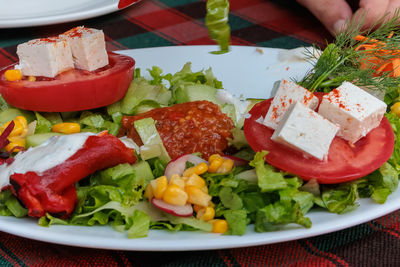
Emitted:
pixel 304 130
pixel 88 47
pixel 287 94
pixel 353 109
pixel 44 57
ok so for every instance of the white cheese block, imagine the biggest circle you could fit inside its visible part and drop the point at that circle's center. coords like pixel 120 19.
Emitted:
pixel 306 131
pixel 88 47
pixel 287 94
pixel 353 109
pixel 44 57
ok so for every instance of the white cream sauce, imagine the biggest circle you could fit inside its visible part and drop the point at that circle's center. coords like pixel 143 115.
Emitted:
pixel 47 155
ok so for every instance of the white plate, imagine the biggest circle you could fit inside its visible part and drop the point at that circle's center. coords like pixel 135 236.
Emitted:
pixel 26 13
pixel 243 70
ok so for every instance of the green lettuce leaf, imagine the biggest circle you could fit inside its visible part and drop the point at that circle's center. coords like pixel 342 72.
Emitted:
pixel 43 125
pixel 10 206
pixel 138 94
pixel 187 76
pixel 158 166
pixel 237 221
pixel 140 225
pixel 379 184
pixel 238 139
pixel 395 158
pixel 193 223
pixel 52 117
pixel 275 216
pixel 339 198
pixel 268 179
pixel 230 199
pixel 305 200
pixel 95 122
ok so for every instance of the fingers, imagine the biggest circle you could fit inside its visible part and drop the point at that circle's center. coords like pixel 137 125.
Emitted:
pixel 371 11
pixel 332 13
pixel 393 7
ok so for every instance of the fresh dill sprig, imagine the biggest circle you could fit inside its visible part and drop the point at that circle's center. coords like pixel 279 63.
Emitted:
pixel 341 60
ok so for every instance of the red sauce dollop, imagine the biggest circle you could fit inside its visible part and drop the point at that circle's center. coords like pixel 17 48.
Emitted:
pixel 186 128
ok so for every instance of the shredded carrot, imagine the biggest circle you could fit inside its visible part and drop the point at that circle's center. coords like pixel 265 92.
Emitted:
pixel 102 133
pixel 366 47
pixel 383 66
pixel 396 67
pixel 366 39
pixel 376 48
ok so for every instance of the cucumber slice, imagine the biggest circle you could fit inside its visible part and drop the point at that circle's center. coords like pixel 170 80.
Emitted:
pixel 196 92
pixel 11 113
pixel 37 139
pixel 152 143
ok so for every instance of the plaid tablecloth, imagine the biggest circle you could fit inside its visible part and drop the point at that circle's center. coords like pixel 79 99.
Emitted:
pixel 153 23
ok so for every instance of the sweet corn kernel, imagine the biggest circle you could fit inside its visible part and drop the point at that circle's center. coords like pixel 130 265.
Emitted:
pixel 206 214
pixel 20 127
pixel 196 180
pixel 159 186
pixel 220 226
pixel 215 164
pixel 177 180
pixel 15 142
pixel 175 195
pixel 66 128
pixel 148 193
pixel 31 78
pixel 213 157
pixel 197 196
pixel 22 120
pixel 226 166
pixel 396 109
pixel 199 169
pixel 204 189
pixel 13 75
pixel 197 208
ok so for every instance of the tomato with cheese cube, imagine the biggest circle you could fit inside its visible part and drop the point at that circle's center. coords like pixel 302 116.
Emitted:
pixel 346 162
pixel 71 90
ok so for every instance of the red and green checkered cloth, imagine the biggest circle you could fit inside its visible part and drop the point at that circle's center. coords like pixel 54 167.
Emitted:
pixel 153 23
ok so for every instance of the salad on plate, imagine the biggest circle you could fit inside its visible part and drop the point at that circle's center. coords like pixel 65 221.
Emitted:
pixel 89 140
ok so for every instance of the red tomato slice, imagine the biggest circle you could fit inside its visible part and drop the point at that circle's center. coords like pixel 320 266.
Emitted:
pixel 345 162
pixel 71 90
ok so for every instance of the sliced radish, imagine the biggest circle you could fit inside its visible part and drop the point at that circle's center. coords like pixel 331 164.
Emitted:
pixel 237 161
pixel 178 165
pixel 181 211
pixel 3 137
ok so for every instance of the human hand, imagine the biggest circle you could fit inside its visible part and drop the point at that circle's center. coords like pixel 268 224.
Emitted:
pixel 335 13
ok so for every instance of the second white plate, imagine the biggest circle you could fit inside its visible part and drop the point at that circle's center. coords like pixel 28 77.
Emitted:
pixel 27 13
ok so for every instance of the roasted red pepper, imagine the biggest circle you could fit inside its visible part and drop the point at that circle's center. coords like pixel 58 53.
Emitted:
pixel 197 126
pixel 53 191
